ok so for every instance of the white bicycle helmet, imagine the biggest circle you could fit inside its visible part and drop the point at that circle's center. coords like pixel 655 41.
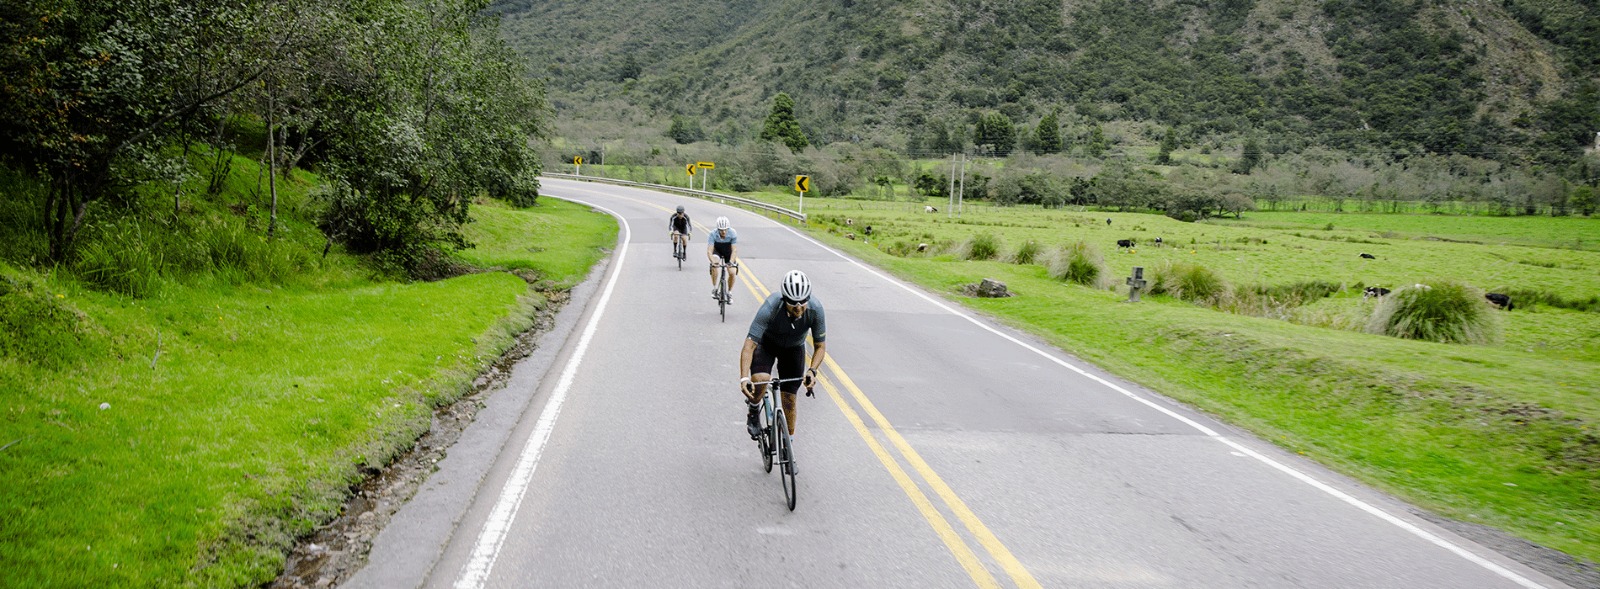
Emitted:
pixel 722 223
pixel 796 287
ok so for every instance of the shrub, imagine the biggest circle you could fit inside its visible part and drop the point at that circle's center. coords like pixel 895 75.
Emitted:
pixel 1190 282
pixel 1445 312
pixel 1276 301
pixel 1026 253
pixel 1079 263
pixel 1529 296
pixel 983 246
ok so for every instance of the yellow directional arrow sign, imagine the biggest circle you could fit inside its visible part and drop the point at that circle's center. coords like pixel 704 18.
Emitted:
pixel 706 165
pixel 802 183
pixel 691 169
pixel 577 160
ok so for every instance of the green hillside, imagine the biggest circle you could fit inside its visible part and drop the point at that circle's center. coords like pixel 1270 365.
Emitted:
pixel 1512 80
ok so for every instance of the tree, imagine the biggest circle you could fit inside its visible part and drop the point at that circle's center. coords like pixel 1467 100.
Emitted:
pixel 1047 136
pixel 685 130
pixel 1097 144
pixel 1169 142
pixel 1249 158
pixel 1583 200
pixel 782 126
pixel 996 131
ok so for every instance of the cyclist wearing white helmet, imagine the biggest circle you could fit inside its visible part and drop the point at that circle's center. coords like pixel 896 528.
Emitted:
pixel 778 334
pixel 724 244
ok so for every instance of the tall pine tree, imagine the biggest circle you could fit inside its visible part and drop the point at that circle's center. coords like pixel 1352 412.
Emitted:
pixel 782 126
pixel 1047 138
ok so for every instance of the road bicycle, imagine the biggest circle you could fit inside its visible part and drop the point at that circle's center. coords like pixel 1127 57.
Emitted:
pixel 723 297
pixel 680 251
pixel 774 441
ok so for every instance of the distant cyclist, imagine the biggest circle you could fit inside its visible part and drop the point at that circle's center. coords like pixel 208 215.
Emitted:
pixel 778 334
pixel 723 245
pixel 678 225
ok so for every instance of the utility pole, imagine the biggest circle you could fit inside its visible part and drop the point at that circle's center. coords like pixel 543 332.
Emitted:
pixel 962 193
pixel 950 206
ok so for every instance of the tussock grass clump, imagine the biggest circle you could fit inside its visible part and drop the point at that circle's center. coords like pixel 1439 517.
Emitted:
pixel 1529 296
pixel 1443 311
pixel 1026 253
pixel 1276 301
pixel 982 246
pixel 1190 282
pixel 1079 263
pixel 134 257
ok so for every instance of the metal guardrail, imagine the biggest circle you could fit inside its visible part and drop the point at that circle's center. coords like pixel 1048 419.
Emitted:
pixel 687 191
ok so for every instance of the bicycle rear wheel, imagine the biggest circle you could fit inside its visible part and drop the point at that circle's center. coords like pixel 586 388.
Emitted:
pixel 722 295
pixel 785 458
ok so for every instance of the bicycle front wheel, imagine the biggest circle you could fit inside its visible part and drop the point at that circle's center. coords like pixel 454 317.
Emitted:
pixel 764 420
pixel 722 296
pixel 785 458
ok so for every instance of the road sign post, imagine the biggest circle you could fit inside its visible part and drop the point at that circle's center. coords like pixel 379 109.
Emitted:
pixel 691 169
pixel 705 181
pixel 802 184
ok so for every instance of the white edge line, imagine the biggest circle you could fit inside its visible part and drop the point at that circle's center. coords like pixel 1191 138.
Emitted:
pixel 1308 479
pixel 476 572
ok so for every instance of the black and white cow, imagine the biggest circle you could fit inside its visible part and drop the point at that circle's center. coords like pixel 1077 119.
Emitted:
pixel 1125 243
pixel 1368 256
pixel 1373 292
pixel 1500 300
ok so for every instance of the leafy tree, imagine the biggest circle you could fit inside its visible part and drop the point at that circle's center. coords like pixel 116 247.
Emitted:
pixel 1047 136
pixel 935 185
pixel 1583 200
pixel 781 124
pixel 1097 143
pixel 997 133
pixel 685 130
pixel 1169 142
pixel 1249 158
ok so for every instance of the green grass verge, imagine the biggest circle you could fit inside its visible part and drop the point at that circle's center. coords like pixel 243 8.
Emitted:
pixel 1506 434
pixel 186 437
pixel 558 239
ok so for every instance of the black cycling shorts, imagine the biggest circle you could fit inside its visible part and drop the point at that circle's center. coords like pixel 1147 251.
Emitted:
pixel 722 250
pixel 791 364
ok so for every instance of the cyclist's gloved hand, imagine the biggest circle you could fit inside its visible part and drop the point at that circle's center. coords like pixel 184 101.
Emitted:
pixel 810 380
pixel 748 387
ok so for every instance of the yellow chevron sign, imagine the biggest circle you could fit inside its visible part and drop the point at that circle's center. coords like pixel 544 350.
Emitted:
pixel 802 183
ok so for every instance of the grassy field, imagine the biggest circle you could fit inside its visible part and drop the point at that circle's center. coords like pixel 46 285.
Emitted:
pixel 185 437
pixel 1505 434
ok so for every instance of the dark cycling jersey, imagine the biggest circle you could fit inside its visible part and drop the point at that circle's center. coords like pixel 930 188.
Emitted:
pixel 774 329
pixel 678 223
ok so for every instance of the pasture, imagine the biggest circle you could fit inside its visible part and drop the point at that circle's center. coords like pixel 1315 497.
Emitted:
pixel 1505 433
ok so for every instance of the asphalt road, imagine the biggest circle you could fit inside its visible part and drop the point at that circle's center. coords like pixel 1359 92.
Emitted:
pixel 942 451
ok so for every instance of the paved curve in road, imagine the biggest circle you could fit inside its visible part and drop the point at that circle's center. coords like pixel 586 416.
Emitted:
pixel 942 450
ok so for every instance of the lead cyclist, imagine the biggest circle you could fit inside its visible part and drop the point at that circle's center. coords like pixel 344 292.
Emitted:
pixel 778 336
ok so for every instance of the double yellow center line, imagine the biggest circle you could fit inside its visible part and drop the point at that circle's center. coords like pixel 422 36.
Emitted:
pixel 958 546
pixel 941 526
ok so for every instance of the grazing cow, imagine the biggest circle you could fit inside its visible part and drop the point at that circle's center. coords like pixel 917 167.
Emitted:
pixel 1500 300
pixel 850 236
pixel 922 247
pixel 1108 221
pixel 1124 243
pixel 849 221
pixel 1368 256
pixel 1373 292
pixel 929 209
pixel 868 231
pixel 1158 242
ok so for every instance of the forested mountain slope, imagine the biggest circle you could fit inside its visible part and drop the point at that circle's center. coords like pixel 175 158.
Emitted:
pixel 1507 79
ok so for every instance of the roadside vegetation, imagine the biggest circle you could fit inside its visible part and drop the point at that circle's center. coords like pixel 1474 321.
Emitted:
pixel 1264 324
pixel 184 432
pixel 238 273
